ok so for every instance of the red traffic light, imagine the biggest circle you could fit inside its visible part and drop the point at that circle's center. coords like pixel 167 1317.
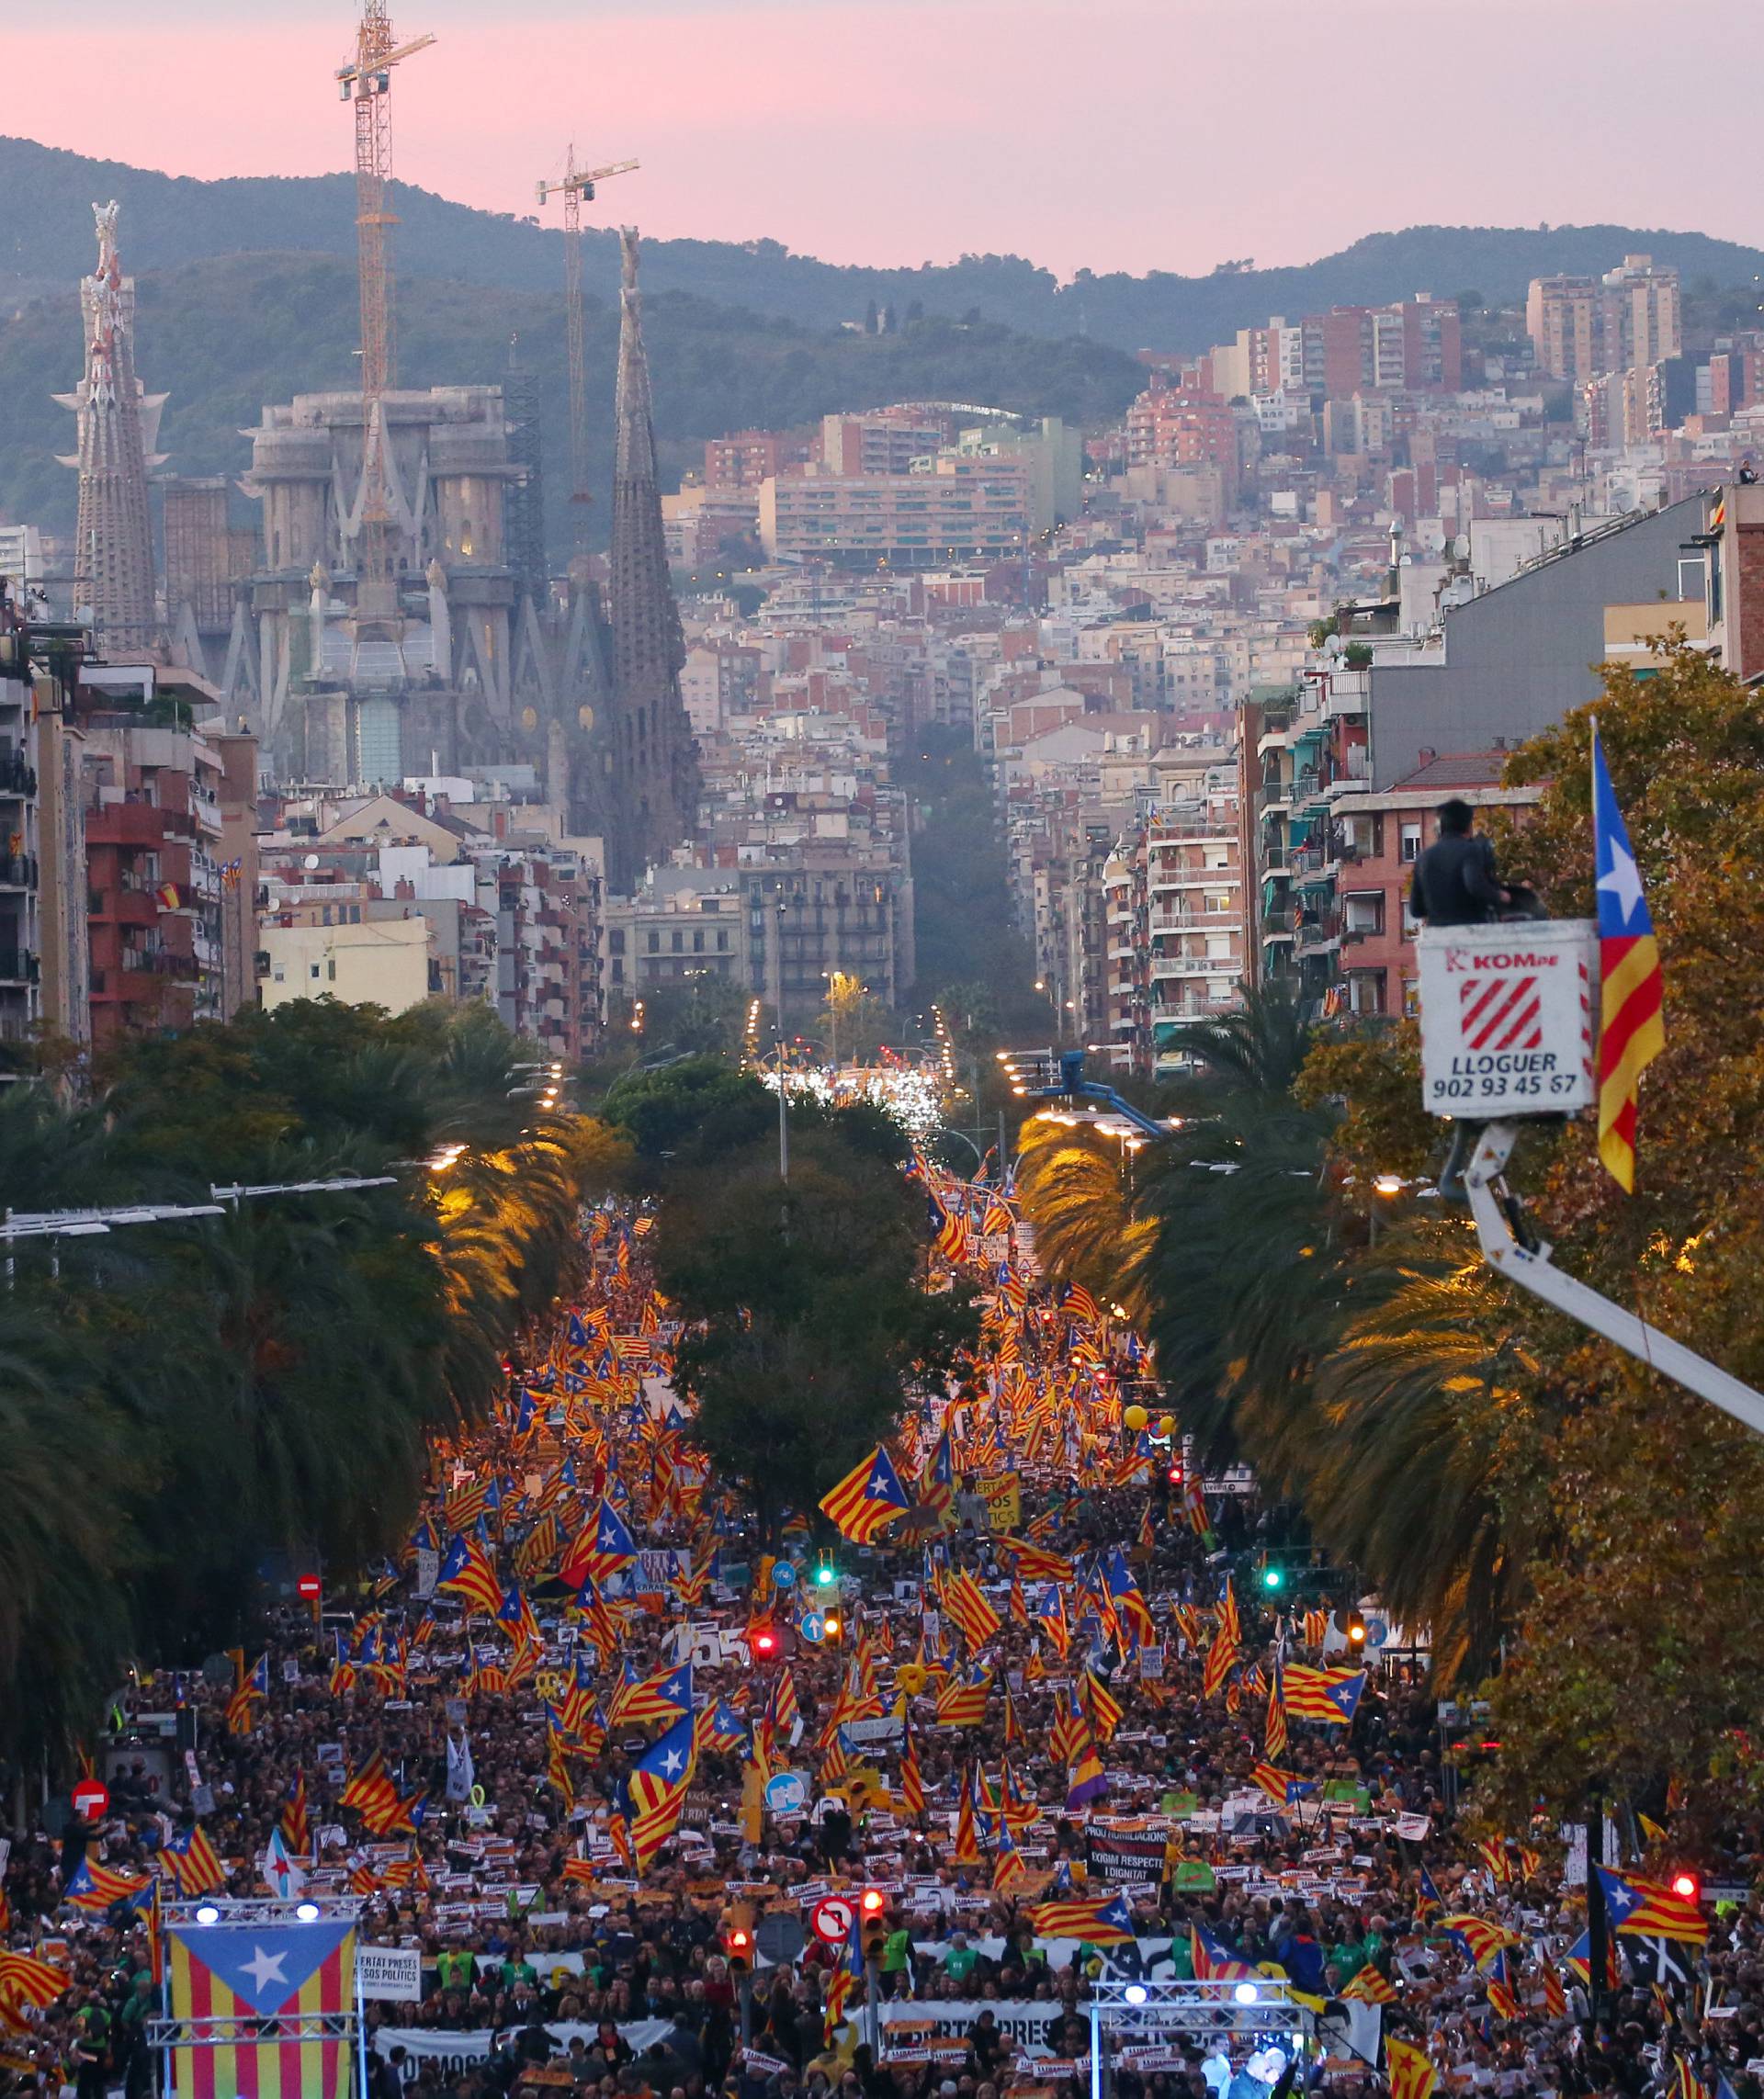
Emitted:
pixel 765 1642
pixel 737 1940
pixel 1687 1885
pixel 1174 1476
pixel 872 1901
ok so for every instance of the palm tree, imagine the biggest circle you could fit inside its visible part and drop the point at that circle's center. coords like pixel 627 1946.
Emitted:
pixel 1434 1449
pixel 64 1540
pixel 1074 1190
pixel 1257 1048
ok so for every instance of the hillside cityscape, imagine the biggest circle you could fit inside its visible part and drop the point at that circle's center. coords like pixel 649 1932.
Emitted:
pixel 879 1144
pixel 1244 610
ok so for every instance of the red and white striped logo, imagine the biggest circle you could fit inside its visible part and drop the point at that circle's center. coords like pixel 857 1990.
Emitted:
pixel 1502 1013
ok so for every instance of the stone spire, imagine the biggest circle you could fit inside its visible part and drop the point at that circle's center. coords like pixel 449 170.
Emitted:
pixel 655 768
pixel 113 561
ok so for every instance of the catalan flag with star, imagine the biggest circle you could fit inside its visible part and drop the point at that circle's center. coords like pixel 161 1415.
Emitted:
pixel 658 1790
pixel 867 1499
pixel 1650 1909
pixel 238 1974
pixel 1103 1922
pixel 1631 1030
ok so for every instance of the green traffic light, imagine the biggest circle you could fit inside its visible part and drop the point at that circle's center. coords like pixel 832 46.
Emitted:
pixel 1272 1577
pixel 825 1577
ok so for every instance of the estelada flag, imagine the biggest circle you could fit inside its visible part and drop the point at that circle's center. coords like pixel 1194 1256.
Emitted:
pixel 1649 1909
pixel 1105 1921
pixel 868 1498
pixel 1407 2071
pixel 1632 1032
pixel 224 1979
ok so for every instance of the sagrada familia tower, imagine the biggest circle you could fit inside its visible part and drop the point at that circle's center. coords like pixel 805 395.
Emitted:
pixel 118 423
pixel 655 769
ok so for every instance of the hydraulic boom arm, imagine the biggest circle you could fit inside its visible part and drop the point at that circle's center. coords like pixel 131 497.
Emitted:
pixel 1510 1245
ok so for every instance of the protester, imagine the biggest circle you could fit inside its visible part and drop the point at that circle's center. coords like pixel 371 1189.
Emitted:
pixel 464 1755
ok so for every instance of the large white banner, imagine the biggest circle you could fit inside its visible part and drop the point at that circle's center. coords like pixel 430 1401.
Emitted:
pixel 452 2050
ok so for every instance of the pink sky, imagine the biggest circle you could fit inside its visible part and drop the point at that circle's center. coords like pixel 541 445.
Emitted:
pixel 1117 134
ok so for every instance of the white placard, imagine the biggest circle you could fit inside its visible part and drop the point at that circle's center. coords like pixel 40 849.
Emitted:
pixel 394 1973
pixel 1507 1018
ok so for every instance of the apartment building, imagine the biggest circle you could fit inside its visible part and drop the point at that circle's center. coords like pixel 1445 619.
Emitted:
pixel 459 886
pixel 20 935
pixel 960 506
pixel 890 441
pixel 1373 844
pixel 159 795
pixel 747 457
pixel 1175 911
pixel 1581 327
pixel 1171 426
pixel 1302 754
pixel 684 925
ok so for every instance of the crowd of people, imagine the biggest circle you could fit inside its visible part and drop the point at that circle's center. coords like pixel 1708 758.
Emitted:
pixel 1051 1710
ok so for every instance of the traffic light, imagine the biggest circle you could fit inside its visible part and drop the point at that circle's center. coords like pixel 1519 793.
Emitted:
pixel 1688 1886
pixel 873 1923
pixel 738 1937
pixel 1173 1473
pixel 764 1643
pixel 826 1573
pixel 1273 1575
pixel 1354 1627
pixel 829 1625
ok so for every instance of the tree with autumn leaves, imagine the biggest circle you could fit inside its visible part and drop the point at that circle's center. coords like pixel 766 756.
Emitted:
pixel 1636 1645
pixel 1581 1534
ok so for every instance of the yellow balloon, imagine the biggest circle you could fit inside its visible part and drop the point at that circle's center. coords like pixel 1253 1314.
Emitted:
pixel 1167 1426
pixel 911 1678
pixel 1135 1417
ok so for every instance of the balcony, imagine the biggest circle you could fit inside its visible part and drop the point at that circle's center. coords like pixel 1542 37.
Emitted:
pixel 127 823
pixel 158 962
pixel 1321 935
pixel 16 777
pixel 125 906
pixel 18 965
pixel 18 870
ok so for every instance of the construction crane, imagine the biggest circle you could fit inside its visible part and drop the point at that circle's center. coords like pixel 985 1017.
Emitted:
pixel 576 184
pixel 368 84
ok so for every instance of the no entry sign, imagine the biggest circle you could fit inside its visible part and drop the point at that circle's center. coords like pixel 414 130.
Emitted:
pixel 91 1798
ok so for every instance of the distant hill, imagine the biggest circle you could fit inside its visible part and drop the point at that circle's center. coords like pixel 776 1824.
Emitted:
pixel 226 333
pixel 47 237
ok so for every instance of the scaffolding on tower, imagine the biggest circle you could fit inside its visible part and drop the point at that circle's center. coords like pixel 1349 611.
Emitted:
pixel 368 84
pixel 576 184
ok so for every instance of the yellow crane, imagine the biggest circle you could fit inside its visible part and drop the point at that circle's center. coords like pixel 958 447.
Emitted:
pixel 368 84
pixel 578 183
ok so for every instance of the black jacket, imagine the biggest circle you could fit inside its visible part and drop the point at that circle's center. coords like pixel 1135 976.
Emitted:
pixel 1455 884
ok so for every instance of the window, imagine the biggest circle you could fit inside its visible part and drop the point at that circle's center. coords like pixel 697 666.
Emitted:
pixel 616 942
pixel 679 943
pixel 722 944
pixel 697 943
pixel 655 943
pixel 313 971
pixel 330 970
pixel 1412 846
